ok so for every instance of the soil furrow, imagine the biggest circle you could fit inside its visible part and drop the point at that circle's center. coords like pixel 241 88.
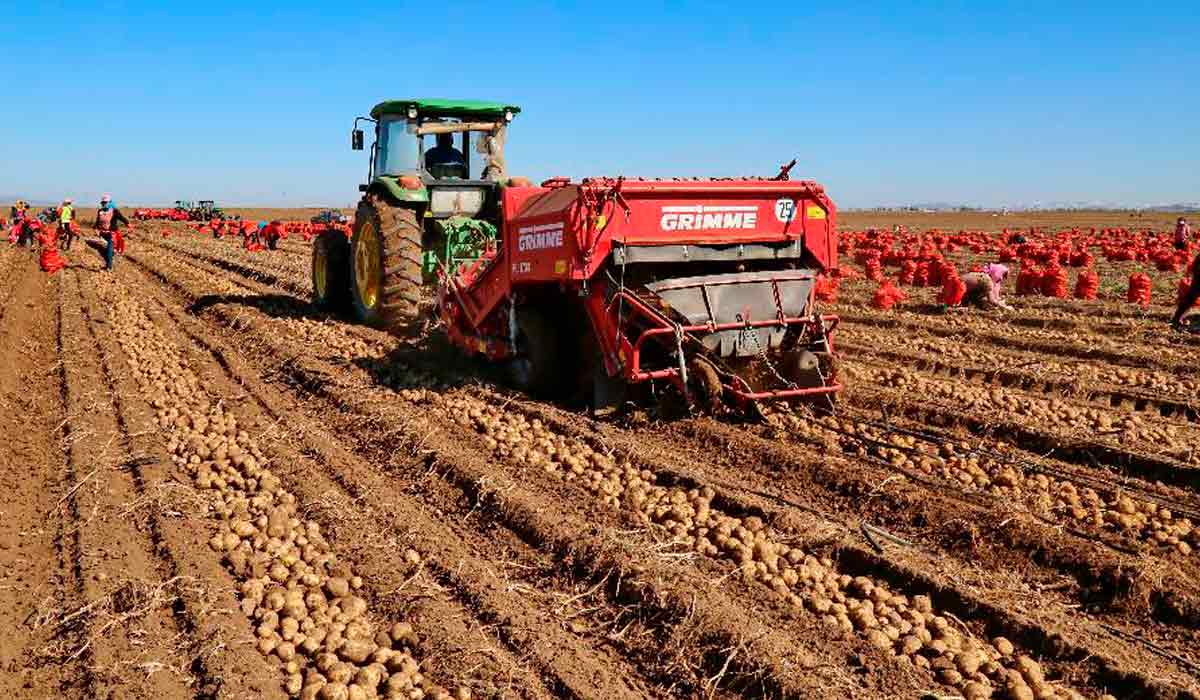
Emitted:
pixel 319 466
pixel 315 380
pixel 722 624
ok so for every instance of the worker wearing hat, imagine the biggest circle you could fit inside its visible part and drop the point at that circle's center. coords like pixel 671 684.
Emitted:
pixel 108 218
pixel 66 215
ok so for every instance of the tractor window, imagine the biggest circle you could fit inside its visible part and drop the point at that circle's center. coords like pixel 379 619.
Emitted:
pixel 397 148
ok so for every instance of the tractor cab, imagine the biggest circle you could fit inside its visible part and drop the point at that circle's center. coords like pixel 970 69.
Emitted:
pixel 431 203
pixel 447 156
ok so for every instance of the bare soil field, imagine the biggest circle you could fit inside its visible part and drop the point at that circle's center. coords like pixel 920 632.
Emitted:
pixel 214 490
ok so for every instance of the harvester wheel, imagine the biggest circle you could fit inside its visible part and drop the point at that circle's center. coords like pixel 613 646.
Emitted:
pixel 535 368
pixel 386 266
pixel 331 271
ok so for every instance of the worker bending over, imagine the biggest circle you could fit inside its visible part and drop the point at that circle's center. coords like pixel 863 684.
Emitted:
pixel 983 288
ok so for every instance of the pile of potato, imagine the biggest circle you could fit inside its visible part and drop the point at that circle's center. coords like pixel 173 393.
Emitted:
pixel 304 602
pixel 963 465
pixel 325 336
pixel 982 357
pixel 1123 429
pixel 908 628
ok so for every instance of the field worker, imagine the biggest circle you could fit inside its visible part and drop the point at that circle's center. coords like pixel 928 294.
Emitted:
pixel 983 288
pixel 444 153
pixel 1190 296
pixel 24 224
pixel 1183 234
pixel 66 233
pixel 108 218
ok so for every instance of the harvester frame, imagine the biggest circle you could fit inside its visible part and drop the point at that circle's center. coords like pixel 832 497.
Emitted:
pixel 705 286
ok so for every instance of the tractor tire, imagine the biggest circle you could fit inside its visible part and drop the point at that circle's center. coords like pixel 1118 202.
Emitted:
pixel 385 257
pixel 331 271
pixel 536 370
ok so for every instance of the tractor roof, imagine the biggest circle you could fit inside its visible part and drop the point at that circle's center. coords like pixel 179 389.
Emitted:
pixel 462 109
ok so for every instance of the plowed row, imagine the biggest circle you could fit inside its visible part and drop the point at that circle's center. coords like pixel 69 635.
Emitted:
pixel 246 497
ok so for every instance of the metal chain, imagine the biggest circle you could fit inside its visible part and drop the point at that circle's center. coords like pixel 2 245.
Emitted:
pixel 762 355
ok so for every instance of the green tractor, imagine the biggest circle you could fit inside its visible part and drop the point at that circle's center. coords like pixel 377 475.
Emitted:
pixel 207 210
pixel 426 206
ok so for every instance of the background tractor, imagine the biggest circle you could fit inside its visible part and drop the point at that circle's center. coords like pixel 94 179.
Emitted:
pixel 700 289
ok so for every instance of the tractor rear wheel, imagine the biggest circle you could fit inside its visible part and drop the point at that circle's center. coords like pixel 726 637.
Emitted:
pixel 535 369
pixel 331 271
pixel 386 266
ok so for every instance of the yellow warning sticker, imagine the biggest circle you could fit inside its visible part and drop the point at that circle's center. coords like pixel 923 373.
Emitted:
pixel 814 212
pixel 560 267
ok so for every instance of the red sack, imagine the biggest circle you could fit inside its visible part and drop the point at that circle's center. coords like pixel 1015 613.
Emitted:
pixel 1054 282
pixel 872 269
pixel 1166 262
pixel 1029 281
pixel 887 295
pixel 908 269
pixel 49 260
pixel 1139 289
pixel 953 288
pixel 921 276
pixel 826 289
pixel 118 241
pixel 1088 284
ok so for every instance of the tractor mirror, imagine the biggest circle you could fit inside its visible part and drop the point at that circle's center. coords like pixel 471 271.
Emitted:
pixel 356 139
pixel 362 188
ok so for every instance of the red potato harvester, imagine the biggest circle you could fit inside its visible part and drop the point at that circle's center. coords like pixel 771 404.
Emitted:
pixel 705 285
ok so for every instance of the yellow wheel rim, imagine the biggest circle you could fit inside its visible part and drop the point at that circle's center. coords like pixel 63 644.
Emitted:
pixel 320 281
pixel 367 273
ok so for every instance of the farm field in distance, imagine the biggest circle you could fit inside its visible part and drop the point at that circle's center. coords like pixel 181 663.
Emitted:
pixel 214 489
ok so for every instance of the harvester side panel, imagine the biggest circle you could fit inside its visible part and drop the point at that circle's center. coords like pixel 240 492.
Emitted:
pixel 595 215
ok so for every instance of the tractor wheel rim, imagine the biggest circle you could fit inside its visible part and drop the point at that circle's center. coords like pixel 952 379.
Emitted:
pixel 319 273
pixel 367 273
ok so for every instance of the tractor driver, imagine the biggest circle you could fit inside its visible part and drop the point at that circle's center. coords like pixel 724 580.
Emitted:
pixel 444 154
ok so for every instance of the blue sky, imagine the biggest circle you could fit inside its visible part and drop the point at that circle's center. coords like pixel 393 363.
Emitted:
pixel 884 103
